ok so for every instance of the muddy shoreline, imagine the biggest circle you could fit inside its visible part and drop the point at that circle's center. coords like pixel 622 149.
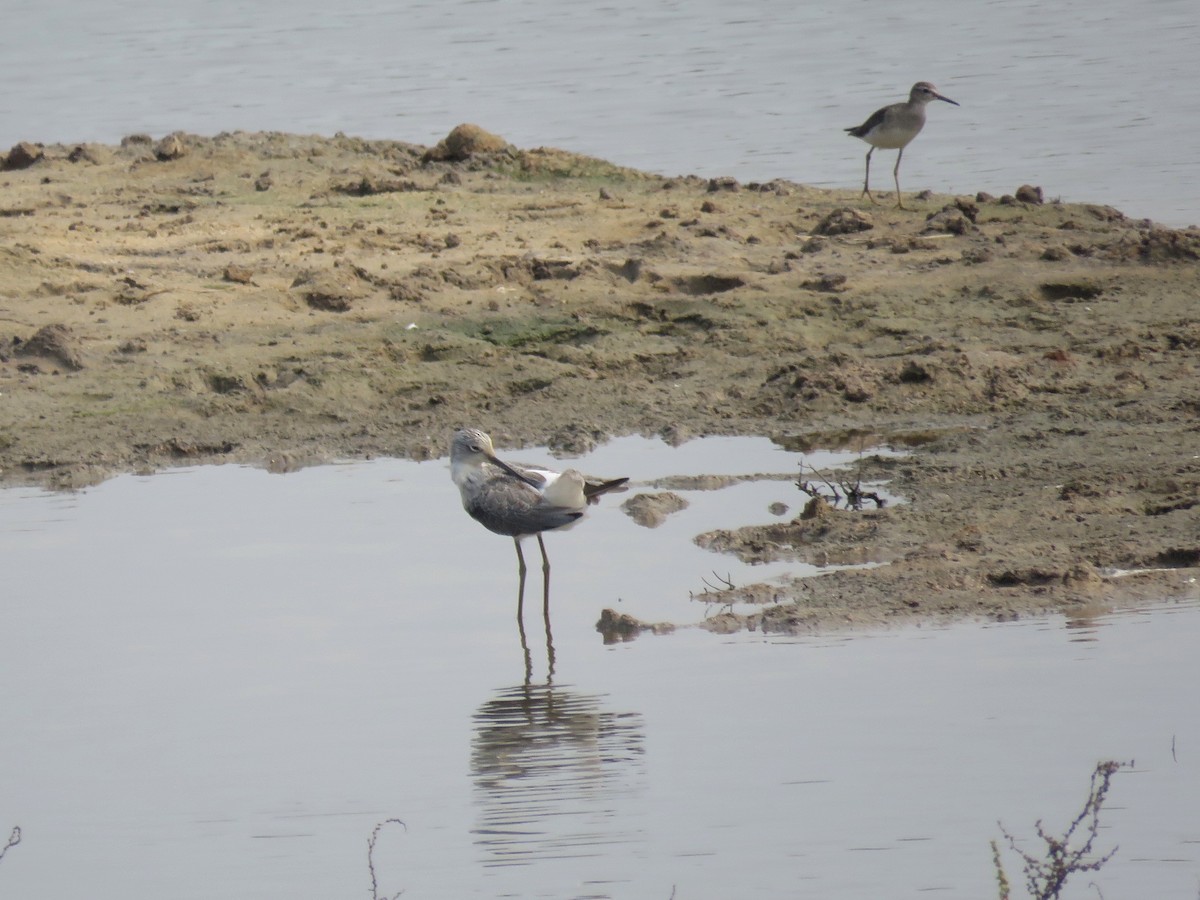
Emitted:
pixel 285 300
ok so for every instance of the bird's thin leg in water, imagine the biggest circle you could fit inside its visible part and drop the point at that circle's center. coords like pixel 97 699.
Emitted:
pixel 549 652
pixel 545 580
pixel 525 651
pixel 546 609
pixel 520 580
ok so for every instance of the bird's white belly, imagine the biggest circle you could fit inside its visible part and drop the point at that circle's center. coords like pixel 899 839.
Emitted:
pixel 891 138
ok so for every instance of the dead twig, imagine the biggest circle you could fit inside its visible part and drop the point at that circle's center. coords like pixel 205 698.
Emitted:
pixel 13 840
pixel 371 858
pixel 714 591
pixel 722 585
pixel 726 583
pixel 835 493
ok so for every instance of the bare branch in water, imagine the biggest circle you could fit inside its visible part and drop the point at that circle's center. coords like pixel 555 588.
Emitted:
pixel 835 493
pixel 13 840
pixel 1045 876
pixel 722 585
pixel 371 858
pixel 726 583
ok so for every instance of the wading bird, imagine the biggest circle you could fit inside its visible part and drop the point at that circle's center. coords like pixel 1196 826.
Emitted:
pixel 894 127
pixel 520 501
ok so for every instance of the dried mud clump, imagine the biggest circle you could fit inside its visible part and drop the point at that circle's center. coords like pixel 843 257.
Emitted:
pixel 53 342
pixel 844 221
pixel 1168 245
pixel 171 147
pixel 1028 193
pixel 619 627
pixel 465 141
pixel 651 510
pixel 331 291
pixel 23 155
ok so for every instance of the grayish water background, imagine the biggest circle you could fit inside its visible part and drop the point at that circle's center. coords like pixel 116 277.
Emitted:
pixel 1095 100
pixel 214 683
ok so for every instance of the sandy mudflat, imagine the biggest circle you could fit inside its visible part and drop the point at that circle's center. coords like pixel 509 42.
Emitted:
pixel 288 299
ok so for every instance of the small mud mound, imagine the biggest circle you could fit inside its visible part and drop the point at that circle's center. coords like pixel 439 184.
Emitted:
pixel 615 626
pixel 1081 578
pixel 700 285
pixel 832 538
pixel 329 290
pixel 1166 244
pixel 1074 290
pixel 844 221
pixel 370 185
pixel 53 342
pixel 465 141
pixel 1178 558
pixel 651 510
pixel 22 155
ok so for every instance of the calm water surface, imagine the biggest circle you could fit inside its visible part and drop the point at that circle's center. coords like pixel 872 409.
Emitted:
pixel 217 681
pixel 1095 100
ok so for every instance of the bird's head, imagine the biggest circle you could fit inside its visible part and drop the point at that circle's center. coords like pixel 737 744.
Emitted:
pixel 924 92
pixel 471 445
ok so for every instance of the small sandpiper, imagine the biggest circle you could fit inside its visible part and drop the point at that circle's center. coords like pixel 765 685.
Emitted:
pixel 894 127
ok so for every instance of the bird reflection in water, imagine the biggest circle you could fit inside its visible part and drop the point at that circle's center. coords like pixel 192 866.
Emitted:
pixel 549 640
pixel 551 767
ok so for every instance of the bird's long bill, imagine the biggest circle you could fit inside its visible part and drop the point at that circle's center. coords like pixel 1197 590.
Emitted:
pixel 947 99
pixel 515 473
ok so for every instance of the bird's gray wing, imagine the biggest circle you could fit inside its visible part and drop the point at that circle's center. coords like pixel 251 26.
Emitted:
pixel 865 128
pixel 505 506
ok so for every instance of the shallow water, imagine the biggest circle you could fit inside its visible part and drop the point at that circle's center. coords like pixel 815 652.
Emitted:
pixel 1096 101
pixel 218 681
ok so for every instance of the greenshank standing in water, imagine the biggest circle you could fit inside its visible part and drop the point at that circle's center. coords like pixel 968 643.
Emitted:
pixel 519 501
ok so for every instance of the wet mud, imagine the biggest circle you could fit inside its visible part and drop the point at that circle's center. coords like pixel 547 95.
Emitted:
pixel 287 300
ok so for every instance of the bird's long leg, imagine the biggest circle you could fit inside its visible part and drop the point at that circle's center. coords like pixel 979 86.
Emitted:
pixel 896 175
pixel 545 580
pixel 867 180
pixel 520 580
pixel 546 609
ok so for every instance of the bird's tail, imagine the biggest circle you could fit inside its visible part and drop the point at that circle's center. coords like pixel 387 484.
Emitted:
pixel 594 489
